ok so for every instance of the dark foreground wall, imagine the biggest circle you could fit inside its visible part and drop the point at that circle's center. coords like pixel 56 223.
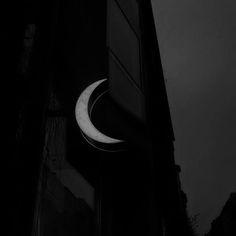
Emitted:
pixel 136 189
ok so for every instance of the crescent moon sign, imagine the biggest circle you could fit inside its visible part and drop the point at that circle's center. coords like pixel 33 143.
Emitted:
pixel 83 118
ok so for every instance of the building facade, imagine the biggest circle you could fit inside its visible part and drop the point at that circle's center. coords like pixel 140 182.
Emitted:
pixel 121 149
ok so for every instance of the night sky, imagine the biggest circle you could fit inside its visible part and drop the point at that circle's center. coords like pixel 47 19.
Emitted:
pixel 197 40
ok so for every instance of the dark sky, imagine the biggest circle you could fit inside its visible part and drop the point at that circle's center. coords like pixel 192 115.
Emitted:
pixel 197 40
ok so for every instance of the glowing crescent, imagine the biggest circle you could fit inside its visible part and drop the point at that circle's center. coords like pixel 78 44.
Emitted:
pixel 83 118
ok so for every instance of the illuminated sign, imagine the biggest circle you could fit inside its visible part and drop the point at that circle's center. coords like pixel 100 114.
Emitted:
pixel 83 110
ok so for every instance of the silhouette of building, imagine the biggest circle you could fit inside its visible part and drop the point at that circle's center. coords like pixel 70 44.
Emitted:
pixel 66 47
pixel 224 224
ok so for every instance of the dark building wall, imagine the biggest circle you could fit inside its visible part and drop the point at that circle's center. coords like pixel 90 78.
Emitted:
pixel 80 59
pixel 70 52
pixel 28 69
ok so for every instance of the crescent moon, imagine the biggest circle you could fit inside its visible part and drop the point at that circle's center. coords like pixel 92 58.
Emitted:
pixel 83 117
